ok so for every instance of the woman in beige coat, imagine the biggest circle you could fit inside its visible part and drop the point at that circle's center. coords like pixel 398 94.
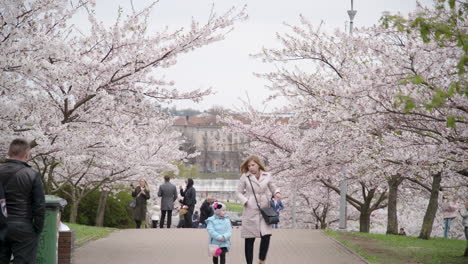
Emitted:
pixel 253 224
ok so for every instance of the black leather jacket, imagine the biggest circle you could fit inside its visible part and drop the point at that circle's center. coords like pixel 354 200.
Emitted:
pixel 24 193
pixel 205 211
pixel 189 197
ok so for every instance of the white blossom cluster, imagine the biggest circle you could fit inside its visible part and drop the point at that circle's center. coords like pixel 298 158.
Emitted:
pixel 90 100
pixel 379 107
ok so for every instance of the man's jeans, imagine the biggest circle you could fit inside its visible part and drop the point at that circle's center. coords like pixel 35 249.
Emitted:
pixel 21 241
pixel 447 222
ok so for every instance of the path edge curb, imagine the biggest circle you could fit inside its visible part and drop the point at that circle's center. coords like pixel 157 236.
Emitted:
pixel 346 247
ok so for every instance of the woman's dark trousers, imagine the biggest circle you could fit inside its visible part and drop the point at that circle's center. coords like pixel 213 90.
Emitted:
pixel 222 257
pixel 188 217
pixel 249 246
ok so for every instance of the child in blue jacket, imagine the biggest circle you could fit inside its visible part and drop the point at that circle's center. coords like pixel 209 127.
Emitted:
pixel 220 230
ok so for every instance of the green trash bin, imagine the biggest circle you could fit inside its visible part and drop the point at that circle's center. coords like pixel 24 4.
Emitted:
pixel 48 239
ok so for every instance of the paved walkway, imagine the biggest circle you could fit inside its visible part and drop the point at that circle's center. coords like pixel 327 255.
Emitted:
pixel 180 246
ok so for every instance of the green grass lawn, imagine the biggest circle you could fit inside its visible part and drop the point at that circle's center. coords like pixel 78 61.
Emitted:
pixel 234 207
pixel 377 248
pixel 85 233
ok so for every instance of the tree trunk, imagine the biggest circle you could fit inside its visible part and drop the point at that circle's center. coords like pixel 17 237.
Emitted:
pixel 364 221
pixel 74 211
pixel 392 218
pixel 431 210
pixel 101 208
pixel 323 220
pixel 49 187
pixel 366 207
pixel 47 173
pixel 365 212
pixel 323 225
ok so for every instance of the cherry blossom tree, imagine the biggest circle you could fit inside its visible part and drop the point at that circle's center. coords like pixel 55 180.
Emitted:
pixel 388 104
pixel 70 69
pixel 89 98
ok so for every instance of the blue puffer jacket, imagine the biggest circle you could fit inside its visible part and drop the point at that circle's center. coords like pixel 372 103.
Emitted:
pixel 219 227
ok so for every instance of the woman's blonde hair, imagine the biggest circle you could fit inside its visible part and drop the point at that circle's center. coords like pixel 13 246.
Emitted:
pixel 244 167
pixel 146 183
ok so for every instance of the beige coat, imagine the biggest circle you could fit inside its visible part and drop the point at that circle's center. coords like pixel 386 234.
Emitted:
pixel 253 224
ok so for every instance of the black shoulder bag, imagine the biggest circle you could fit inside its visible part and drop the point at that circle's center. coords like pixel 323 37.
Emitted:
pixel 270 216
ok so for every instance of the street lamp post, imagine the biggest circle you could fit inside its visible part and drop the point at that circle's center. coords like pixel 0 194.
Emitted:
pixel 351 14
pixel 344 182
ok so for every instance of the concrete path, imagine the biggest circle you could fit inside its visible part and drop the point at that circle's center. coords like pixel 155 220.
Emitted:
pixel 180 246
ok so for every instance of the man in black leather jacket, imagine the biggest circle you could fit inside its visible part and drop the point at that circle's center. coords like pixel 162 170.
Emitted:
pixel 25 205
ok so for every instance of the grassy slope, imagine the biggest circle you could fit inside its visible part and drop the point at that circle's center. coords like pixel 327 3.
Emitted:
pixel 234 207
pixel 378 248
pixel 85 233
pixel 222 175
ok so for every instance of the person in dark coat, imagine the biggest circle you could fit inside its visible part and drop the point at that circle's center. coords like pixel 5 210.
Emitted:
pixel 168 193
pixel 25 205
pixel 196 219
pixel 206 211
pixel 277 205
pixel 141 194
pixel 189 201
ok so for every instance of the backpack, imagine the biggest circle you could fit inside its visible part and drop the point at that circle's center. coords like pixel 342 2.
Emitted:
pixel 3 208
pixel 3 214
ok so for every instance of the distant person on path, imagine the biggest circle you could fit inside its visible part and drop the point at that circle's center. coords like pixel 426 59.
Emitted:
pixel 277 205
pixel 464 215
pixel 155 213
pixel 25 205
pixel 181 213
pixel 220 231
pixel 206 210
pixel 168 193
pixel 449 210
pixel 196 219
pixel 188 202
pixel 141 194
pixel 253 225
pixel 402 232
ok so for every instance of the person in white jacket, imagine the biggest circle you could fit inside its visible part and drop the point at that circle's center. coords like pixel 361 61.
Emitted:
pixel 464 215
pixel 449 211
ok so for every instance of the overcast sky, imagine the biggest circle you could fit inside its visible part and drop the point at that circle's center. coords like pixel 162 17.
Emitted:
pixel 226 66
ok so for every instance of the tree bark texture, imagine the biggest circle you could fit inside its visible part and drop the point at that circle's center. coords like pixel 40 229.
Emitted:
pixel 366 207
pixel 431 210
pixel 101 208
pixel 392 217
pixel 364 221
pixel 74 211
